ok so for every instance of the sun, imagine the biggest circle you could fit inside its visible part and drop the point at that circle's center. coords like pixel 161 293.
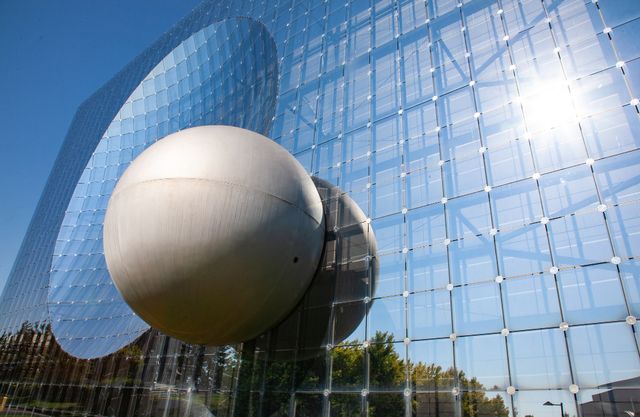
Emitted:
pixel 551 105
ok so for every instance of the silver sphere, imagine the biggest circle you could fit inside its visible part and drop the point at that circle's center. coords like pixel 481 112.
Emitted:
pixel 213 234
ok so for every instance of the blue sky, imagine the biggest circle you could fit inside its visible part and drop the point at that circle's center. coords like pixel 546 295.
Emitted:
pixel 54 55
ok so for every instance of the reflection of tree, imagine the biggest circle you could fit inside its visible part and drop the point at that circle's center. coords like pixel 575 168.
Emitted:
pixel 476 403
pixel 386 367
pixel 387 373
pixel 249 382
pixel 438 382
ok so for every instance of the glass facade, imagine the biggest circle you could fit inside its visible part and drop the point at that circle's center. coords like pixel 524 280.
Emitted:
pixel 494 149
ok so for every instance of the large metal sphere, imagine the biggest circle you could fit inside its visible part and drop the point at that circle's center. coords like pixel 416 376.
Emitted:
pixel 213 234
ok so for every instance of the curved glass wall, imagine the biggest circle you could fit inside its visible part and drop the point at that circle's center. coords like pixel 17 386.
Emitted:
pixel 494 146
pixel 223 74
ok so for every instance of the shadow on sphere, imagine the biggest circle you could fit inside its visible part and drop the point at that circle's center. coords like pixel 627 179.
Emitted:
pixel 337 300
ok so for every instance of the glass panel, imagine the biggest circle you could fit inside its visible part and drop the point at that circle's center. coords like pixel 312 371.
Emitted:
pixel 429 315
pixel 308 405
pixel 386 364
pixel 580 240
pixel 347 368
pixel 345 405
pixel 612 132
pixel 531 302
pixel 432 365
pixel 618 178
pixel 624 226
pixel 523 251
pixel 476 309
pixel 516 204
pixel 386 404
pixel 565 192
pixel 390 275
pixel 603 354
pixel 630 273
pixel 539 359
pixel 472 259
pixel 468 215
pixel 426 226
pixel 560 147
pixel 483 360
pixel 427 268
pixel 591 294
pixel 531 403
pixel 434 404
pixel 386 317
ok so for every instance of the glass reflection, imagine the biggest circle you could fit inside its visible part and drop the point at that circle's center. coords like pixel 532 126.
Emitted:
pixel 348 271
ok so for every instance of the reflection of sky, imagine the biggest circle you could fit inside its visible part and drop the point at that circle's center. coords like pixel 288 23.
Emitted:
pixel 530 403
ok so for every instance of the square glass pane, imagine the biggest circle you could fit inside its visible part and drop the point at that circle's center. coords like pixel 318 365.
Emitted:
pixel 483 359
pixel 426 225
pixel 503 125
pixel 476 309
pixel 509 162
pixel 579 240
pixel 427 268
pixel 434 403
pixel 516 204
pixel 308 405
pixel 603 354
pixel 432 365
pixel 464 175
pixel 530 403
pixel 424 186
pixel 389 233
pixel 472 259
pixel 488 403
pixel 386 317
pixel 386 404
pixel 591 294
pixel 346 329
pixel 539 359
pixel 347 368
pixel 343 405
pixel 387 365
pixel 612 132
pixel 618 178
pixel 390 275
pixel 523 251
pixel 600 91
pixel 565 192
pixel 558 148
pixel 386 198
pixel 531 302
pixel 469 215
pixel 429 315
pixel 625 36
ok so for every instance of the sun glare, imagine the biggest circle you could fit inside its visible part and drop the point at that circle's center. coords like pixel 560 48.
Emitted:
pixel 549 107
